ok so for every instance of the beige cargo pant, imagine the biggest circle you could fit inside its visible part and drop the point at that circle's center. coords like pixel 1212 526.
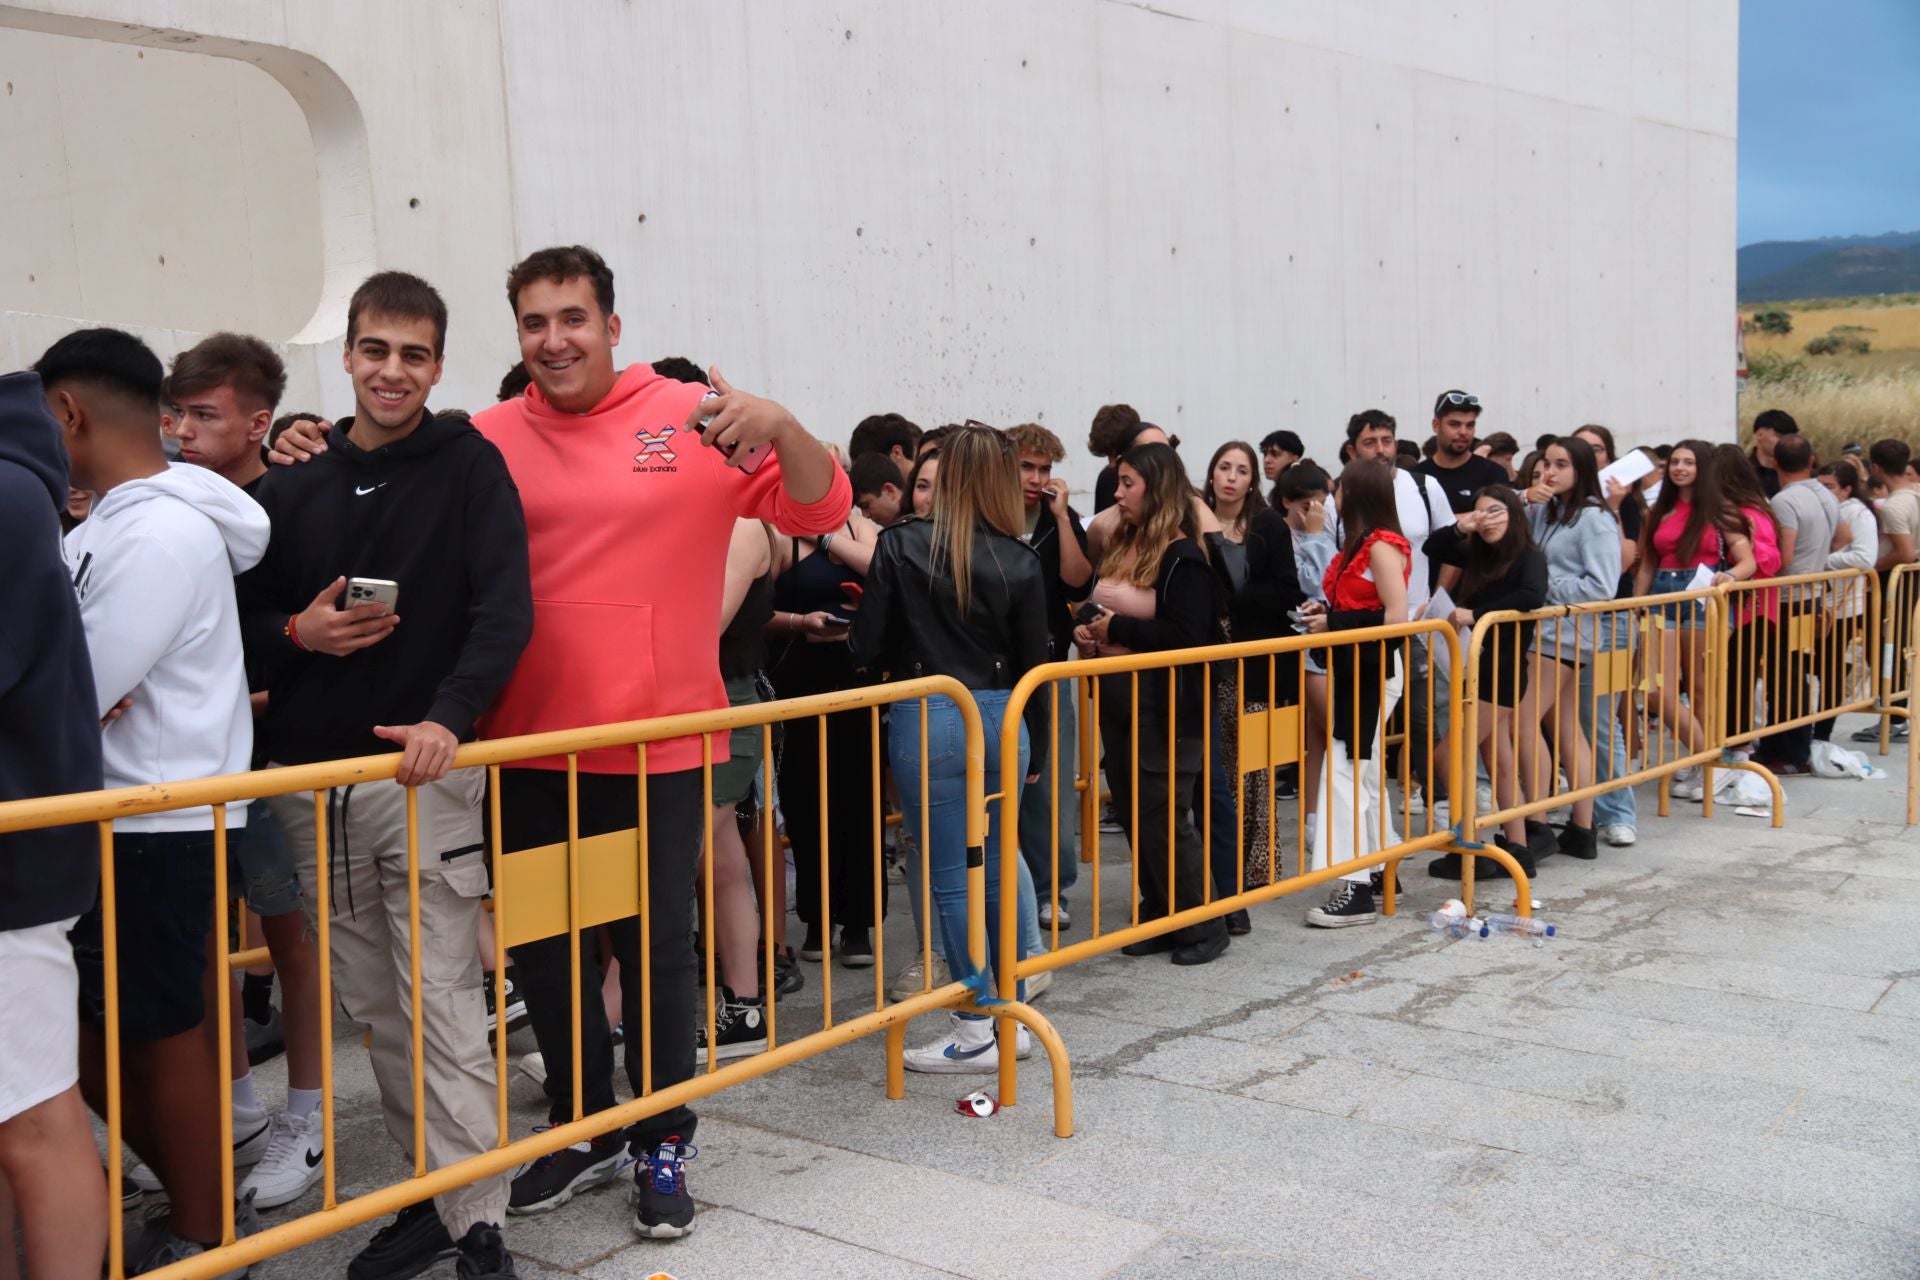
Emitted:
pixel 367 896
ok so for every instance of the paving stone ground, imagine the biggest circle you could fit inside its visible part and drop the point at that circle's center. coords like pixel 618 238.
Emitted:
pixel 1713 1072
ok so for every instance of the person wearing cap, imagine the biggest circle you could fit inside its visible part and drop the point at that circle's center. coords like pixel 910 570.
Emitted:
pixel 1462 473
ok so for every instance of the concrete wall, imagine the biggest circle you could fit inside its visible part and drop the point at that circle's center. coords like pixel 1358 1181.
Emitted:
pixel 1236 215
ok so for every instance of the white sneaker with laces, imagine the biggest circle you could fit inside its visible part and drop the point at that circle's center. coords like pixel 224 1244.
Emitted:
pixel 294 1161
pixel 970 1049
pixel 1048 914
pixel 1618 834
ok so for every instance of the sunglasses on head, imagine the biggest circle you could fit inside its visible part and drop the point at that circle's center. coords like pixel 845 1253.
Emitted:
pixel 1460 400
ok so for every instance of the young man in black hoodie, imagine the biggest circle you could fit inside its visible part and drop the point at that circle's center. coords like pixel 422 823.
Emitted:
pixel 49 745
pixel 425 502
pixel 1054 531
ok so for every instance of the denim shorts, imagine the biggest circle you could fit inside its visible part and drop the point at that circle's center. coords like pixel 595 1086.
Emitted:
pixel 163 903
pixel 259 858
pixel 1687 615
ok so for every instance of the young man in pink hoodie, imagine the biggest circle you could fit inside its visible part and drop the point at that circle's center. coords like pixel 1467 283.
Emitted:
pixel 630 507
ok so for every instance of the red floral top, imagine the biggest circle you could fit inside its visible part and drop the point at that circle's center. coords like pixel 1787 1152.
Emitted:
pixel 1349 586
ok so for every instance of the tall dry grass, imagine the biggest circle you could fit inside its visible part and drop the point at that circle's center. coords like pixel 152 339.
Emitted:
pixel 1839 399
pixel 1835 407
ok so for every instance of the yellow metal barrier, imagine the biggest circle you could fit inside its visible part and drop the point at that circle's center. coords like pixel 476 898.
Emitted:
pixel 1269 739
pixel 1633 650
pixel 540 892
pixel 1895 648
pixel 1789 631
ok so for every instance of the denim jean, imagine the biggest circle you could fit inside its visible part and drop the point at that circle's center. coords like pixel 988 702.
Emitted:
pixel 1222 854
pixel 944 839
pixel 1036 803
pixel 1616 807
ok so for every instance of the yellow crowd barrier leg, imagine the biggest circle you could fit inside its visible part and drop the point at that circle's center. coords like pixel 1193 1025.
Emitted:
pixel 897 1061
pixel 1037 1025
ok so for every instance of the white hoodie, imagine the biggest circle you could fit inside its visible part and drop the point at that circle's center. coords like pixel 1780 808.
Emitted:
pixel 153 565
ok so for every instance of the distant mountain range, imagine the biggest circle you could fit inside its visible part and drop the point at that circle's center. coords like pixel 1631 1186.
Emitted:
pixel 1837 266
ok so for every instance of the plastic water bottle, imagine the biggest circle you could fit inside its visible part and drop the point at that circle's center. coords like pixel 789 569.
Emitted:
pixel 1452 920
pixel 1528 926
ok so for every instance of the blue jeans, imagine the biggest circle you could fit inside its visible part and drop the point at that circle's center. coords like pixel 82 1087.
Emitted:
pixel 1036 803
pixel 1221 852
pixel 944 839
pixel 1616 807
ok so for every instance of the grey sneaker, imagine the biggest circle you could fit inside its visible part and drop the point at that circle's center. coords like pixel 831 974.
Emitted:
pixel 1872 733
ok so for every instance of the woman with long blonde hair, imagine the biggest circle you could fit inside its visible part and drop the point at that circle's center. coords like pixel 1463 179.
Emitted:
pixel 1156 592
pixel 954 593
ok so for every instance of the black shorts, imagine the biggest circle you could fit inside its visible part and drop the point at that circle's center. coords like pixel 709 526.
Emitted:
pixel 163 897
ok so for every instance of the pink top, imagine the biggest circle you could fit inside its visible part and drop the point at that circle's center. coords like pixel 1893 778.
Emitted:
pixel 628 522
pixel 1766 564
pixel 1666 540
pixel 1126 600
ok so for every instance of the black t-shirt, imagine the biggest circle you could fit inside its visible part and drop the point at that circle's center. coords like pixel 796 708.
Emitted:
pixel 1105 487
pixel 1631 515
pixel 1462 482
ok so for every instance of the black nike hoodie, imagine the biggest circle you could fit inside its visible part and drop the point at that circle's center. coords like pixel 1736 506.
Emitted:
pixel 49 721
pixel 435 512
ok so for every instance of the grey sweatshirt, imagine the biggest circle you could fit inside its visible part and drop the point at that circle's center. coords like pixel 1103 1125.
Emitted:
pixel 1583 567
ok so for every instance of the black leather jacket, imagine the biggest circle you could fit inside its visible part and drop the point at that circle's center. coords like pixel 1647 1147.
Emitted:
pixel 909 623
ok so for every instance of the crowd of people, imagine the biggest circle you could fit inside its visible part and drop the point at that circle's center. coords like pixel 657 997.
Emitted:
pixel 205 584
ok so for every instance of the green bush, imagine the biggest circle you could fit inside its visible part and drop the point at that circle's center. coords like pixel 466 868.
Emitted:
pixel 1766 366
pixel 1848 339
pixel 1773 320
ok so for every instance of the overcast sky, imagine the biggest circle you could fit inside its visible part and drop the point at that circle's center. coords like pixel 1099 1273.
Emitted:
pixel 1829 118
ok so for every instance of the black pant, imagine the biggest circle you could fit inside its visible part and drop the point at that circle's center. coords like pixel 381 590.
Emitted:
pixel 852 863
pixel 1790 693
pixel 1150 840
pixel 1750 651
pixel 533 812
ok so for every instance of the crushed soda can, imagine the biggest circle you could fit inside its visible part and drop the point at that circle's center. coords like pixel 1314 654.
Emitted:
pixel 980 1104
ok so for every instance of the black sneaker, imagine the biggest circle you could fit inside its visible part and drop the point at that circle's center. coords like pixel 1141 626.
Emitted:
pixel 484 1254
pixel 516 1007
pixel 662 1207
pixel 412 1242
pixel 1448 867
pixel 1286 783
pixel 1377 881
pixel 856 949
pixel 1350 903
pixel 740 1028
pixel 810 945
pixel 787 976
pixel 1541 840
pixel 1110 821
pixel 552 1180
pixel 1578 842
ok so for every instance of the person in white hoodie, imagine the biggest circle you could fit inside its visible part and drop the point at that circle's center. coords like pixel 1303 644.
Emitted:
pixel 153 567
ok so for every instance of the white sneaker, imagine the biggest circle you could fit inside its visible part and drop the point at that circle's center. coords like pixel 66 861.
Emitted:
pixel 1442 815
pixel 534 1067
pixel 970 1049
pixel 912 980
pixel 1618 834
pixel 252 1132
pixel 1687 784
pixel 1037 986
pixel 1048 915
pixel 293 1161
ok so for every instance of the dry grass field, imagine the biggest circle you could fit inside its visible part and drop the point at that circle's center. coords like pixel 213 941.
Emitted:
pixel 1842 397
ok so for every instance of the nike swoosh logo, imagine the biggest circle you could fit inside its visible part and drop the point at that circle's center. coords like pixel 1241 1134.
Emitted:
pixel 964 1055
pixel 358 492
pixel 241 1142
pixel 315 1157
